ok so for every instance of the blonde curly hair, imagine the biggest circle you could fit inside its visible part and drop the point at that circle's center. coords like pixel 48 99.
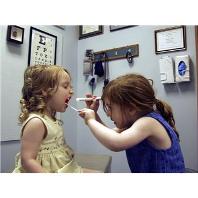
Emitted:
pixel 37 79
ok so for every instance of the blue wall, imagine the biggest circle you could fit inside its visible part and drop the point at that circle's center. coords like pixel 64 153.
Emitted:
pixel 181 96
pixel 70 53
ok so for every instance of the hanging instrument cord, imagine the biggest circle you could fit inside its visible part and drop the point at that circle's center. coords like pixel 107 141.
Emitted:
pixel 106 66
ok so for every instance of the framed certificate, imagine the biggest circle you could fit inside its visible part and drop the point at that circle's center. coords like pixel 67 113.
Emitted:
pixel 42 48
pixel 170 39
pixel 86 31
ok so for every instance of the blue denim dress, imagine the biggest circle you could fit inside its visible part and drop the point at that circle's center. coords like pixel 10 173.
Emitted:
pixel 144 158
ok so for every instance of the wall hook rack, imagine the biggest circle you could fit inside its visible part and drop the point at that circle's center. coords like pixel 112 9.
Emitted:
pixel 116 53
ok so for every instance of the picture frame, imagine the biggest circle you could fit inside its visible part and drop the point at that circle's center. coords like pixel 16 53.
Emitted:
pixel 86 31
pixel 119 27
pixel 170 39
pixel 42 48
pixel 15 34
pixel 62 27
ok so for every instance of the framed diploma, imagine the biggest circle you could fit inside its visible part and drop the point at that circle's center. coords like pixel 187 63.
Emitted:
pixel 170 39
pixel 42 48
pixel 86 31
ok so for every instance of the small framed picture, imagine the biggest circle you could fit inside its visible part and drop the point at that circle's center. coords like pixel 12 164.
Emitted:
pixel 119 27
pixel 170 39
pixel 15 34
pixel 86 31
pixel 42 48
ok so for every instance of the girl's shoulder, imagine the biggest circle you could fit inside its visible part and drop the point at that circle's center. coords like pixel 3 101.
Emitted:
pixel 44 118
pixel 142 128
pixel 155 128
pixel 34 120
pixel 147 125
pixel 145 122
pixel 149 120
pixel 34 125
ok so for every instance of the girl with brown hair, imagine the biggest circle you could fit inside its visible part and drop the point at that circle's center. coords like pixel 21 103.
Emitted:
pixel 145 126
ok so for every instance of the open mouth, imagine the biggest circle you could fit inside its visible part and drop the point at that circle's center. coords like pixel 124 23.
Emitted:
pixel 67 100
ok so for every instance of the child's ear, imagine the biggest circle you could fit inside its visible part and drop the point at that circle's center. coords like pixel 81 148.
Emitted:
pixel 44 93
pixel 132 111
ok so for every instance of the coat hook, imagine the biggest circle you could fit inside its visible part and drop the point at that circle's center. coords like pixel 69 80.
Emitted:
pixel 129 56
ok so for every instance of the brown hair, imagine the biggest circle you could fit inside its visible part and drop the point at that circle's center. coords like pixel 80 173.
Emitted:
pixel 136 91
pixel 37 79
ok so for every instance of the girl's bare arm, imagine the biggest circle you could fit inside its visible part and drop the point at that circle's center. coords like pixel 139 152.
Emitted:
pixel 119 141
pixel 33 135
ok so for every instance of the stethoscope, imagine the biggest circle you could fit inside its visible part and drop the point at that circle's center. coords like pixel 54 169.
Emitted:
pixel 106 70
pixel 106 73
pixel 129 57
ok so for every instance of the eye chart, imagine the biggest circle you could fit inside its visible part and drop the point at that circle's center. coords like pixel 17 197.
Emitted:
pixel 42 48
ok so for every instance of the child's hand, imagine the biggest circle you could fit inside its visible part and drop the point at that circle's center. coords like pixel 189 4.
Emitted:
pixel 94 104
pixel 87 114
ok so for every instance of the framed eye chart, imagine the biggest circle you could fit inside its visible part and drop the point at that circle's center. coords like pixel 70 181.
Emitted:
pixel 42 48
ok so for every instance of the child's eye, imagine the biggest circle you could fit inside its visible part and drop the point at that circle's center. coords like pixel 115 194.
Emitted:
pixel 65 86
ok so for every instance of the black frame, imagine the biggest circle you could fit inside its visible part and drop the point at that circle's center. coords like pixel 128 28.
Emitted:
pixel 44 36
pixel 183 46
pixel 119 27
pixel 62 27
pixel 12 34
pixel 90 34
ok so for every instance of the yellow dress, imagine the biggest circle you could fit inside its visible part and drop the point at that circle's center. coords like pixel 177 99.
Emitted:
pixel 54 155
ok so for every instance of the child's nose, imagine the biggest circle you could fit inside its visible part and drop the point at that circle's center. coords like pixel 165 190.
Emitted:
pixel 71 91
